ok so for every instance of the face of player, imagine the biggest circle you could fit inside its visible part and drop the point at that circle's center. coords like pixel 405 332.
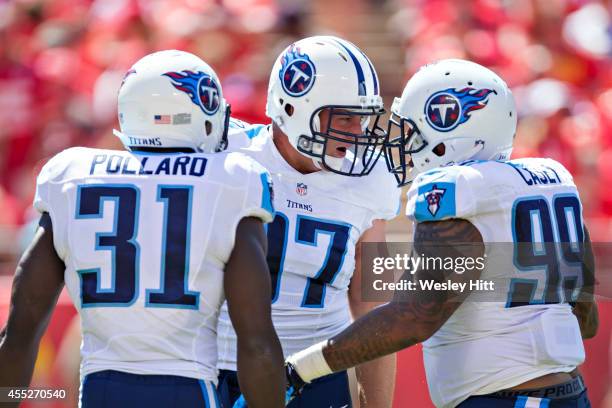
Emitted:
pixel 342 123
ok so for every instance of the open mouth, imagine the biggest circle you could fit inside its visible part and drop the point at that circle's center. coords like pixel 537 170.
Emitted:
pixel 340 151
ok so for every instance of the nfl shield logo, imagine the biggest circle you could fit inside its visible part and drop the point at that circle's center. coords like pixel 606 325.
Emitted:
pixel 301 189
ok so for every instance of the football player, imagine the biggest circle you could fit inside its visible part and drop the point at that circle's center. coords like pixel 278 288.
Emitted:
pixel 331 194
pixel 457 122
pixel 149 242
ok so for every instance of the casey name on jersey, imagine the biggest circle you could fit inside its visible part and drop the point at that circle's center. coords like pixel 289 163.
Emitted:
pixel 536 174
pixel 184 165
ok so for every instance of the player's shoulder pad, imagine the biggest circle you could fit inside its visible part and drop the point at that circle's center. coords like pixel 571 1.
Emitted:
pixel 444 193
pixel 55 168
pixel 253 177
pixel 241 134
pixel 240 165
pixel 377 191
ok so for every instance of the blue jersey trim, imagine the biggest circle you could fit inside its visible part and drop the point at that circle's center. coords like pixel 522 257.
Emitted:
pixel 254 131
pixel 266 197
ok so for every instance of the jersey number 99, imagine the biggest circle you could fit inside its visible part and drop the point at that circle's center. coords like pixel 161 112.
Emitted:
pixel 537 246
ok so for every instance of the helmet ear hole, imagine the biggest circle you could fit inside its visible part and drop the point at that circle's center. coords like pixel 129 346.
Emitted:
pixel 439 150
pixel 289 109
pixel 209 127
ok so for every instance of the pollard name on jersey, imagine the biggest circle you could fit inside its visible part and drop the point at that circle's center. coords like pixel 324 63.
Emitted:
pixel 145 237
pixel 311 243
pixel 490 346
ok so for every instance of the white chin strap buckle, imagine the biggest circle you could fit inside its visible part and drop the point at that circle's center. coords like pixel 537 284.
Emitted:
pixel 334 162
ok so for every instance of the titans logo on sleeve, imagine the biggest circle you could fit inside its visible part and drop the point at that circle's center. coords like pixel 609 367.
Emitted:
pixel 433 197
pixel 297 72
pixel 447 109
pixel 201 88
pixel 435 201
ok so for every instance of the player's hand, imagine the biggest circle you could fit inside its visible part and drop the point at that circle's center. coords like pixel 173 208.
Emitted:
pixel 295 384
pixel 240 402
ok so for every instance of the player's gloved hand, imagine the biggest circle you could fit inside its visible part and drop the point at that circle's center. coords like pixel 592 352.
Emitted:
pixel 290 394
pixel 240 402
pixel 295 384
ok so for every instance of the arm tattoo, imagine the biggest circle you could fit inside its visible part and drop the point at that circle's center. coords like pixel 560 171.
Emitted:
pixel 449 232
pixel 412 316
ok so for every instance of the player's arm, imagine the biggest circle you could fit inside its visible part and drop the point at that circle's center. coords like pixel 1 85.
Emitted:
pixel 411 317
pixel 247 288
pixel 585 307
pixel 376 378
pixel 38 281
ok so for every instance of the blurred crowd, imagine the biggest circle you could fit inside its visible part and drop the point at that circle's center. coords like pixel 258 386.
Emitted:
pixel 556 55
pixel 61 62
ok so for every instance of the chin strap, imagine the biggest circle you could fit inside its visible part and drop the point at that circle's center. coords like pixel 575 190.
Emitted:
pixel 478 147
pixel 124 139
pixel 334 162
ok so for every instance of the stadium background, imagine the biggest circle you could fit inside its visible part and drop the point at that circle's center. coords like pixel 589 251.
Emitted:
pixel 61 62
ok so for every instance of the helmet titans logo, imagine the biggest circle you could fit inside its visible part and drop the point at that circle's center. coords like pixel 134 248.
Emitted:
pixel 200 87
pixel 297 73
pixel 447 109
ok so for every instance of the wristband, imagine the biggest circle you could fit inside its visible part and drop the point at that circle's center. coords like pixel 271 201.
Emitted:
pixel 310 363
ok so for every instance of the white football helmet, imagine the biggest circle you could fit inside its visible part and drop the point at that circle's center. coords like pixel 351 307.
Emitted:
pixel 326 72
pixel 172 99
pixel 450 111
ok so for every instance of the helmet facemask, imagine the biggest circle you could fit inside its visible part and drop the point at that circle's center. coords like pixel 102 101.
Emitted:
pixel 415 154
pixel 405 139
pixel 223 142
pixel 361 150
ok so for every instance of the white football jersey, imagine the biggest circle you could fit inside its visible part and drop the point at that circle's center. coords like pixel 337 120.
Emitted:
pixel 311 243
pixel 145 238
pixel 528 330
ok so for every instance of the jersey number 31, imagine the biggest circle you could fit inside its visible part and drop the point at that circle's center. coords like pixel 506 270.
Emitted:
pixel 125 251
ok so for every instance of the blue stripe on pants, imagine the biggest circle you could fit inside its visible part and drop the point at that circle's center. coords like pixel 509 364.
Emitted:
pixel 531 402
pixel 520 402
pixel 204 393
pixel 488 401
